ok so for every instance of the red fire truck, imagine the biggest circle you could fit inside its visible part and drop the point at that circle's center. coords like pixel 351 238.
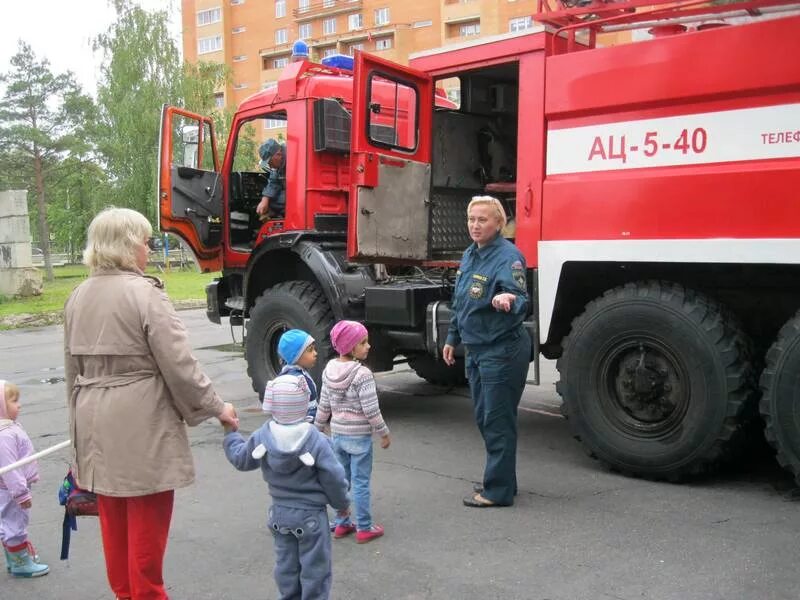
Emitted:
pixel 654 189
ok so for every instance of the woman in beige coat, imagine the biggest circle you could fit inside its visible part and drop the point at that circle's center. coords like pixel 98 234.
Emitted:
pixel 132 386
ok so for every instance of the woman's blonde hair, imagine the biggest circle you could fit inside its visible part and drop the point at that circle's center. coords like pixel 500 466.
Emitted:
pixel 11 391
pixel 113 237
pixel 490 201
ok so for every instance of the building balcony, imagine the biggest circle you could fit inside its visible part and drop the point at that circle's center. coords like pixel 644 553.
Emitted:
pixel 454 12
pixel 326 8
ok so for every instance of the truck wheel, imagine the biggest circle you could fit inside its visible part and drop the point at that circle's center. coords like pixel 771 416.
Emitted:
pixel 287 305
pixel 655 379
pixel 780 400
pixel 437 372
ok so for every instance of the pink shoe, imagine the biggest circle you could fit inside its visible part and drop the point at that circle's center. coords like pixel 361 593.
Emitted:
pixel 362 537
pixel 343 530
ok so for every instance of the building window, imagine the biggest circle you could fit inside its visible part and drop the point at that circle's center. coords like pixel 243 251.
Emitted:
pixel 240 58
pixel 304 31
pixel 241 29
pixel 279 63
pixel 354 47
pixel 355 21
pixel 330 51
pixel 303 6
pixel 274 123
pixel 383 43
pixel 329 26
pixel 281 36
pixel 418 24
pixel 470 29
pixel 280 8
pixel 219 100
pixel 209 44
pixel 267 84
pixel 328 3
pixel 381 16
pixel 206 17
pixel 520 24
pixel 239 86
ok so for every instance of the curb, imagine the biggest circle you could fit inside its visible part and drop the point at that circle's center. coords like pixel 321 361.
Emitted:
pixel 25 320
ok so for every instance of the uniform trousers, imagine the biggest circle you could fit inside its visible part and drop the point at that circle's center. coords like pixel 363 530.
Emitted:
pixel 134 531
pixel 497 374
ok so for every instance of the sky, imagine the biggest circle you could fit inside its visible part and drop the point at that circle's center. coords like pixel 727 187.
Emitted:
pixel 62 32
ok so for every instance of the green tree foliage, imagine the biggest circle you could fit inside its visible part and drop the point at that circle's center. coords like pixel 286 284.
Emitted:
pixel 141 70
pixel 42 125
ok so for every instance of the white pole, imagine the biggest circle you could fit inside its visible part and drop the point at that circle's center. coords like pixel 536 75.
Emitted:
pixel 33 457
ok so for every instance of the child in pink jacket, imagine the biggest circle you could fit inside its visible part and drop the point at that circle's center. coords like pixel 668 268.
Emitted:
pixel 15 488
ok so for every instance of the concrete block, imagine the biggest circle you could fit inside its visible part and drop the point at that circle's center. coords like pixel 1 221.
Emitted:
pixel 23 282
pixel 15 255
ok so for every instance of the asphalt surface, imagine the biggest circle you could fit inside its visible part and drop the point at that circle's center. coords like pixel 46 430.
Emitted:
pixel 576 532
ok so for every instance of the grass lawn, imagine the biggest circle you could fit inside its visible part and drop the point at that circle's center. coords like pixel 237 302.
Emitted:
pixel 180 285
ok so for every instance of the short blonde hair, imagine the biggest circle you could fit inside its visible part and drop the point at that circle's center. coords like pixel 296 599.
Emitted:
pixel 11 391
pixel 490 201
pixel 113 237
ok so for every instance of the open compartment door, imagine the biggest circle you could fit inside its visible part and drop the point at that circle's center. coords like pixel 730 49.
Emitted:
pixel 189 184
pixel 390 170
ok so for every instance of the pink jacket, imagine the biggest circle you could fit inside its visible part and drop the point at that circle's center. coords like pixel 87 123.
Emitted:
pixel 15 445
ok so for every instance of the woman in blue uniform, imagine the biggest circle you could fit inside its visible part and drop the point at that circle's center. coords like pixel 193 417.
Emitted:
pixel 490 302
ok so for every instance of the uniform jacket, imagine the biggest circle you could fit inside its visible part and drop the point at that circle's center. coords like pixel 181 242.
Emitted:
pixel 485 272
pixel 132 386
pixel 16 445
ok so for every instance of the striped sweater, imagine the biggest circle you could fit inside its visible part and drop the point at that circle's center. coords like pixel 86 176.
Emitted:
pixel 349 399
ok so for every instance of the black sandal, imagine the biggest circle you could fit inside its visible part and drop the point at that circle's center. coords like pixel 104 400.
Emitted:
pixel 473 502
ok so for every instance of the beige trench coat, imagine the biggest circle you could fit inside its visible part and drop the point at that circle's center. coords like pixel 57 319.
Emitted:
pixel 132 386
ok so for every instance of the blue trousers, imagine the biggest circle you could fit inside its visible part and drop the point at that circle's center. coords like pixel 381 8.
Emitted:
pixel 355 455
pixel 497 374
pixel 302 552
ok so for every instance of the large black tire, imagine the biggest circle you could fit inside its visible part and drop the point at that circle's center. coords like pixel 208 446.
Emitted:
pixel 655 380
pixel 437 372
pixel 780 399
pixel 287 305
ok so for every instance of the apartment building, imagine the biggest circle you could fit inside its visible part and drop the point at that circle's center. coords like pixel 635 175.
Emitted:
pixel 254 37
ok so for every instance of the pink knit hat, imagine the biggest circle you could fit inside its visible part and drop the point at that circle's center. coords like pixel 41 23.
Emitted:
pixel 345 335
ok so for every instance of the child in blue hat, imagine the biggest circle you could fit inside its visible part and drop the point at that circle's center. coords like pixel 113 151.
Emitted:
pixel 298 350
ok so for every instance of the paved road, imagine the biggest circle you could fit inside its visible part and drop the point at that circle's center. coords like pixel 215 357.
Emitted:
pixel 577 532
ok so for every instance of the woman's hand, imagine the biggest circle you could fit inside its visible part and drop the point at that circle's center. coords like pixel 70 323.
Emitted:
pixel 449 354
pixel 386 441
pixel 27 504
pixel 228 418
pixel 504 301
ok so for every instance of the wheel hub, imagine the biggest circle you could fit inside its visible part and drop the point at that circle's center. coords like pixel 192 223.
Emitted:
pixel 646 385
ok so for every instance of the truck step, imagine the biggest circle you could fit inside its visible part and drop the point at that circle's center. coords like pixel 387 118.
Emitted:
pixel 235 303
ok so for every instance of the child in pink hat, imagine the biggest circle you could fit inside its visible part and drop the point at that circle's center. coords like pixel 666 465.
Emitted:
pixel 350 401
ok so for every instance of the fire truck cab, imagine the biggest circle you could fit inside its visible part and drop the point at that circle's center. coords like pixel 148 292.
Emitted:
pixel 652 187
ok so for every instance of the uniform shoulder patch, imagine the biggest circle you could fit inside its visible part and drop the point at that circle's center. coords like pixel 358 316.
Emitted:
pixel 518 274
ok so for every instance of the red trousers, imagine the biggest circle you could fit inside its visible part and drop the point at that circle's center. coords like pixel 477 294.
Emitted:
pixel 134 541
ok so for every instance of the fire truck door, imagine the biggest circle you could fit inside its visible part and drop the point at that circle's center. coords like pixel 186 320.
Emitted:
pixel 189 184
pixel 390 170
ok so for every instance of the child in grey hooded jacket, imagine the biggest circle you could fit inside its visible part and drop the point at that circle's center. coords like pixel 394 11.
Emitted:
pixel 303 476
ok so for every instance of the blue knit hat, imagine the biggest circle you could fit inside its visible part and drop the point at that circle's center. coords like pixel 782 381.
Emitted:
pixel 292 345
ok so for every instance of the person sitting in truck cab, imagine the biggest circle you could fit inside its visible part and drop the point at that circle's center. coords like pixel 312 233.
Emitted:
pixel 273 197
